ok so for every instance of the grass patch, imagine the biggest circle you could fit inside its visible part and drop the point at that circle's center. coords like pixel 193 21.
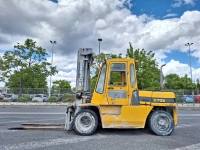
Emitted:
pixel 4 101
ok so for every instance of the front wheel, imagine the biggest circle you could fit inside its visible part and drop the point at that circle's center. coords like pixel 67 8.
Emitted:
pixel 161 123
pixel 85 122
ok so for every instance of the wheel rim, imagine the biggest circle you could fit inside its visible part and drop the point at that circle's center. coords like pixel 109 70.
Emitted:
pixel 162 123
pixel 85 122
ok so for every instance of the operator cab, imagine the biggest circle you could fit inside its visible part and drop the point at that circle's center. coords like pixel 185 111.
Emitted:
pixel 117 81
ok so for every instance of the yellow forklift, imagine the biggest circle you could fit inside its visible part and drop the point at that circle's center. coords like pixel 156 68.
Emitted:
pixel 116 101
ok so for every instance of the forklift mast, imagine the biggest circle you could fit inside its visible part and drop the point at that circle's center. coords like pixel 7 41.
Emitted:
pixel 84 61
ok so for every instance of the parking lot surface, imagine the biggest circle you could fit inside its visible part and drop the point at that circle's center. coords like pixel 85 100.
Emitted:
pixel 184 137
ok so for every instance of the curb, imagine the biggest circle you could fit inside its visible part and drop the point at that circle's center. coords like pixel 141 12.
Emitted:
pixel 32 104
pixel 65 104
pixel 188 105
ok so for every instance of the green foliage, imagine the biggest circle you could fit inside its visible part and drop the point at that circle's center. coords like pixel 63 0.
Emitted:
pixel 198 84
pixel 173 81
pixel 52 99
pixel 93 82
pixel 27 97
pixel 147 68
pixel 66 100
pixel 61 86
pixel 4 101
pixel 68 97
pixel 34 101
pixel 115 77
pixel 21 99
pixel 26 66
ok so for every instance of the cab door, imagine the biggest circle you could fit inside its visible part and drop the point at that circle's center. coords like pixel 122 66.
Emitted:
pixel 117 86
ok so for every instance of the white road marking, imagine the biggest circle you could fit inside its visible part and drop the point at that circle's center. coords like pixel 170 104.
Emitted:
pixel 63 113
pixel 53 142
pixel 187 125
pixel 189 147
pixel 181 118
pixel 3 131
pixel 30 113
pixel 29 120
pixel 196 115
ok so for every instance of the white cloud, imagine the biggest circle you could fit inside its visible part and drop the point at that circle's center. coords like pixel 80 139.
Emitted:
pixel 100 24
pixel 178 3
pixel 181 69
pixel 78 24
pixel 69 76
pixel 170 15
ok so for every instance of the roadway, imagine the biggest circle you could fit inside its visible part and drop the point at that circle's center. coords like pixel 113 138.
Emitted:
pixel 185 136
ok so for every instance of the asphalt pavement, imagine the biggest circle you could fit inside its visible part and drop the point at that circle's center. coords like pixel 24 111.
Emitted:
pixel 185 136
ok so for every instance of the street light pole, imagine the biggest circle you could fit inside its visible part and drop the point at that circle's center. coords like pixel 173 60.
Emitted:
pixel 161 78
pixel 52 42
pixel 99 39
pixel 189 44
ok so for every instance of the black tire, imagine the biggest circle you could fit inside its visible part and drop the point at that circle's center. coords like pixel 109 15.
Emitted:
pixel 85 122
pixel 161 123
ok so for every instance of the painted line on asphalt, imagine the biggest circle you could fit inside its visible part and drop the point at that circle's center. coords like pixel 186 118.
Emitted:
pixel 25 117
pixel 63 113
pixel 29 120
pixel 187 125
pixel 196 115
pixel 189 147
pixel 53 142
pixel 179 118
pixel 31 113
pixel 4 131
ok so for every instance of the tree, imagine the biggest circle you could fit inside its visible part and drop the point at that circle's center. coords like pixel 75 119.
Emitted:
pixel 26 66
pixel 198 84
pixel 173 81
pixel 147 68
pixel 63 86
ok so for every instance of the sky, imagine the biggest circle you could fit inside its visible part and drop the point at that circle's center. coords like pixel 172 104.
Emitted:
pixel 163 26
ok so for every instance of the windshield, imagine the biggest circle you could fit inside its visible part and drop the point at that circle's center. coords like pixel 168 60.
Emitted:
pixel 8 96
pixel 100 85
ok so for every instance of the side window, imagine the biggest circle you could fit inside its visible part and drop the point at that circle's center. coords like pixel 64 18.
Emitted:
pixel 117 74
pixel 132 75
pixel 100 85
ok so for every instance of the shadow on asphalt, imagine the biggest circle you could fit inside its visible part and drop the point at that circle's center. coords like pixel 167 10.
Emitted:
pixel 124 131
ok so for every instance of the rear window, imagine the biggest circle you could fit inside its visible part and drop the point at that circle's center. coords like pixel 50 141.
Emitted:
pixel 38 95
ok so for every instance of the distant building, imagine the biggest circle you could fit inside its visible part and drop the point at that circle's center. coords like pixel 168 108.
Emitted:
pixel 4 90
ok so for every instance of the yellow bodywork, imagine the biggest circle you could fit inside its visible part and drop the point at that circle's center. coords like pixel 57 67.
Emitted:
pixel 118 116
pixel 120 112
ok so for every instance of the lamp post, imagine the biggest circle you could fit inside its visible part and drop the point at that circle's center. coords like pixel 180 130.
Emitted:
pixel 99 39
pixel 161 78
pixel 52 42
pixel 189 44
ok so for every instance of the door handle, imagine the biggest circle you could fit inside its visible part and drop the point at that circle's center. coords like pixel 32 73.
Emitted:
pixel 110 88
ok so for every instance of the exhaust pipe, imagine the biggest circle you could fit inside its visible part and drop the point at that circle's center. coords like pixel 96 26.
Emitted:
pixel 161 78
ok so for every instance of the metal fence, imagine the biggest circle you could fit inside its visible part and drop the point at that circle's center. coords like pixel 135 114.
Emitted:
pixel 179 93
pixel 39 91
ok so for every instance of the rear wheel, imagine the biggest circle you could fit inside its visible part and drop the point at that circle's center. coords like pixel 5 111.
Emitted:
pixel 161 123
pixel 85 122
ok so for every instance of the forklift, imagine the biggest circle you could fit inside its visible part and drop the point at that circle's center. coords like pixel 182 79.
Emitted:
pixel 116 101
